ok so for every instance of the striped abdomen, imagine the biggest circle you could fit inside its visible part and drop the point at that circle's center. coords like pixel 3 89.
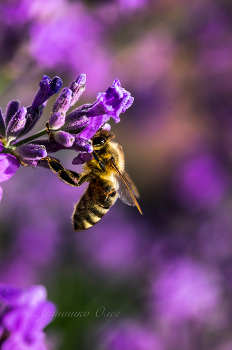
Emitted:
pixel 94 204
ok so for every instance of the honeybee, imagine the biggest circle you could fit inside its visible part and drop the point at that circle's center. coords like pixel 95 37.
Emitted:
pixel 107 179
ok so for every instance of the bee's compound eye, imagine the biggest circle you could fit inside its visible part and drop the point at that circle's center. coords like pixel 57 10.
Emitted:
pixel 112 194
pixel 98 141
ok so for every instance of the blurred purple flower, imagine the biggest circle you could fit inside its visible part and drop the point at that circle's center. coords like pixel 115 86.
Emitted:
pixel 131 5
pixel 74 36
pixel 8 167
pixel 130 336
pixel 116 248
pixel 201 182
pixel 21 317
pixel 186 289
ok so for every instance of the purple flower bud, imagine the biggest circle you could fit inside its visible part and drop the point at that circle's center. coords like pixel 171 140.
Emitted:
pixel 56 121
pixel 16 124
pixel 76 125
pixel 31 152
pixel 64 138
pixel 82 158
pixel 32 118
pixel 8 166
pixel 77 87
pixel 11 109
pixel 47 88
pixel 82 145
pixel 2 125
pixel 115 100
pixel 78 113
pixel 63 101
pixel 51 146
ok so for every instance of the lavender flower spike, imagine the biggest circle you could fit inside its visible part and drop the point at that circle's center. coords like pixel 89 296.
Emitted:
pixel 47 88
pixel 23 316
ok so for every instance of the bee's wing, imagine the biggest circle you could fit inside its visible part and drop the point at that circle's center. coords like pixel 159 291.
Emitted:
pixel 125 189
pixel 132 185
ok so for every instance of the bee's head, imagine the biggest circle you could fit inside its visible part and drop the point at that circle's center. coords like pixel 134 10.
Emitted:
pixel 101 138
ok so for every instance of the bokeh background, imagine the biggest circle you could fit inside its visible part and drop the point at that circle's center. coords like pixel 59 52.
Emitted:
pixel 168 272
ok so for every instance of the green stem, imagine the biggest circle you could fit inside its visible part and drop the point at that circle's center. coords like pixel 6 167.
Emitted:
pixel 30 138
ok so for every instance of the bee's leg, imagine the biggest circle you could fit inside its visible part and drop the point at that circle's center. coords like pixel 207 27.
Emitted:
pixel 70 177
pixel 54 164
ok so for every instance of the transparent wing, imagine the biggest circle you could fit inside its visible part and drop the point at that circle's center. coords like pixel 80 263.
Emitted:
pixel 125 190
pixel 134 188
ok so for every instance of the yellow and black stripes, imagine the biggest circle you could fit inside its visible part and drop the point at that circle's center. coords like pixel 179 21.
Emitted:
pixel 93 205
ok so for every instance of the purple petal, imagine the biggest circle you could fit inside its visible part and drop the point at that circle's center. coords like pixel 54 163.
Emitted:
pixel 82 158
pixel 77 87
pixel 92 128
pixel 64 138
pixel 8 166
pixel 11 109
pixel 43 315
pixel 82 145
pixel 63 102
pixel 115 100
pixel 31 152
pixel 56 121
pixel 16 124
pixel 1 146
pixel 33 295
pixel 8 293
pixel 2 125
pixel 16 319
pixel 47 88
